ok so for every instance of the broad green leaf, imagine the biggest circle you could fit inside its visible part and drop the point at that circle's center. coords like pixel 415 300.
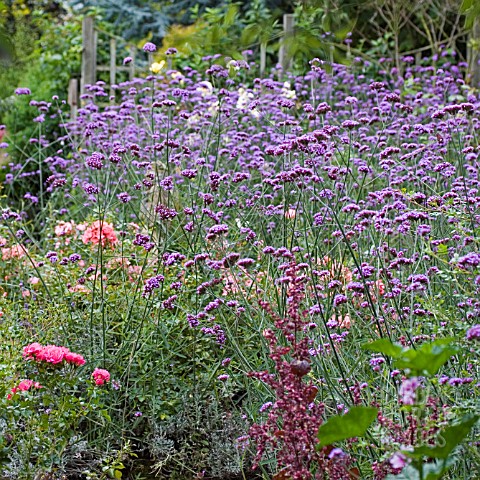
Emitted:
pixel 340 427
pixel 450 437
pixel 428 359
pixel 384 346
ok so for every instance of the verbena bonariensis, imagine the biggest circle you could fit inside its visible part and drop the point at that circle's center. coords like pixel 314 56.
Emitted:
pixel 210 184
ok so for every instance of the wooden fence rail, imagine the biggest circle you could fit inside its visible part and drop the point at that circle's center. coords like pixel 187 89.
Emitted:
pixel 90 68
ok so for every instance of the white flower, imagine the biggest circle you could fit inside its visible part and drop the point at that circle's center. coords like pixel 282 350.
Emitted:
pixel 287 92
pixel 244 98
pixel 205 88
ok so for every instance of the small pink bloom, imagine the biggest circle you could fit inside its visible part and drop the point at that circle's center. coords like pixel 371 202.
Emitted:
pixel 74 359
pixel 100 232
pixel 33 280
pixel 398 460
pixel 25 385
pixel 63 229
pixel 344 321
pixel 381 286
pixel 16 251
pixel 100 376
pixel 79 289
pixel 290 213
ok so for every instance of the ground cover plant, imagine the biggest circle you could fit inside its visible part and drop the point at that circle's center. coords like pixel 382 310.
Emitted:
pixel 222 276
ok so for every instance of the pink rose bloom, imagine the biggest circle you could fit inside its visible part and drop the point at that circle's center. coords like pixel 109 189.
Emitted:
pixel 100 232
pixel 3 241
pixel 53 354
pixel 100 376
pixel 74 359
pixel 25 385
pixel 33 280
pixel 31 351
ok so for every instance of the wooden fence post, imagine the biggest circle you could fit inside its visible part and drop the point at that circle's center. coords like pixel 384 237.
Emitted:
pixel 288 26
pixel 89 61
pixel 473 53
pixel 73 97
pixel 263 58
pixel 113 64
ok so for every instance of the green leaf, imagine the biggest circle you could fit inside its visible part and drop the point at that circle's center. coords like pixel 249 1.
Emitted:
pixel 384 346
pixel 450 437
pixel 105 415
pixel 340 427
pixel 442 250
pixel 466 5
pixel 428 359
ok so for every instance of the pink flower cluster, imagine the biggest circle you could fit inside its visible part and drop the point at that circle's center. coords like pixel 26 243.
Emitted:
pixel 100 376
pixel 52 354
pixel 63 229
pixel 100 232
pixel 16 251
pixel 23 386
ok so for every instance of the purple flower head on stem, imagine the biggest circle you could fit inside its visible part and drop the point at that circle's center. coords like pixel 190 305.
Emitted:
pixel 149 47
pixel 473 333
pixel 23 91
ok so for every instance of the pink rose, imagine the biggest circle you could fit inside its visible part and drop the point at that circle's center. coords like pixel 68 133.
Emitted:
pixel 74 359
pixel 53 354
pixel 32 350
pixel 25 385
pixel 100 376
